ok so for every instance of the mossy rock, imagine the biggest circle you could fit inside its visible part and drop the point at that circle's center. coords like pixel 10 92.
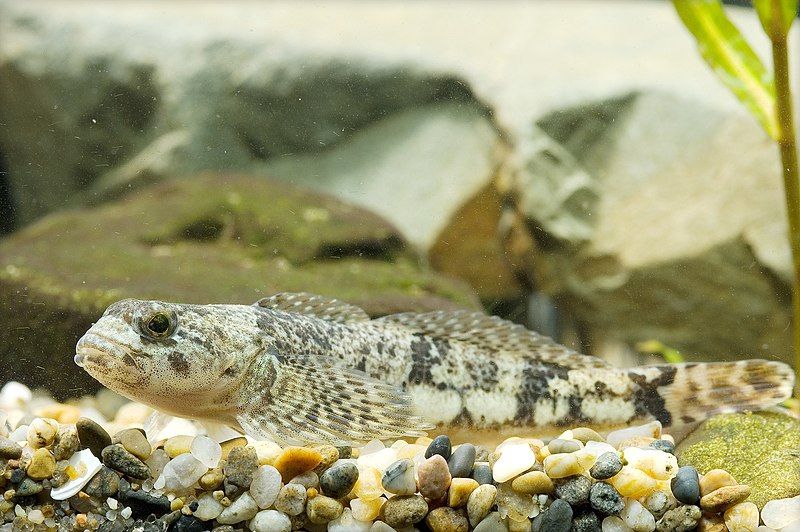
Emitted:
pixel 759 449
pixel 208 239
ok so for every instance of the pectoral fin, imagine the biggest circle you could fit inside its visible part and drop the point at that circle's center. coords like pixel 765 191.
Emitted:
pixel 312 401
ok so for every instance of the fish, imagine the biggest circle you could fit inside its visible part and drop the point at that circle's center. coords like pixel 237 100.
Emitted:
pixel 298 368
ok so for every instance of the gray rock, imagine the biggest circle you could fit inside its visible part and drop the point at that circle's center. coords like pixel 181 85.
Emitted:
pixel 482 473
pixel 9 449
pixel 441 446
pixel 575 490
pixel 135 442
pixel 605 499
pixel 242 463
pixel 291 499
pixel 680 519
pixel 337 481
pixel 686 485
pixel 492 523
pixel 462 460
pixel 92 436
pixel 559 446
pixel 104 484
pixel 557 518
pixel 117 458
pixel 607 465
pixel 27 487
pixel 585 520
pixel 67 442
pixel 404 510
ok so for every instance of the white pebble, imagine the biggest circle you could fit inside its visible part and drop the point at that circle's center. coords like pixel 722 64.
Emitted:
pixel 596 448
pixel 181 472
pixel 241 509
pixel 271 521
pixel 112 503
pixel 563 465
pixel 372 447
pixel 126 512
pixel 346 523
pixel 41 432
pixel 648 430
pixel 742 517
pixel 265 486
pixel 208 508
pixel 19 434
pixel 36 516
pixel 87 465
pixel 14 395
pixel 380 460
pixel 637 517
pixel 613 523
pixel 206 450
pixel 654 463
pixel 515 458
pixel 781 512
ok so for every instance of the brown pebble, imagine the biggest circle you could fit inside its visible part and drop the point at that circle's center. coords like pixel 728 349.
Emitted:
pixel 447 520
pixel 460 490
pixel 723 498
pixel 715 479
pixel 404 510
pixel 329 455
pixel 711 524
pixel 42 464
pixel 294 461
pixel 533 483
pixel 433 477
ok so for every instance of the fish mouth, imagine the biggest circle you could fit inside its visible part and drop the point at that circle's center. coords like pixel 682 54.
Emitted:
pixel 96 349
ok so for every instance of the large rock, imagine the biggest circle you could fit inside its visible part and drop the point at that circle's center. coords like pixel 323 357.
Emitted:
pixel 758 449
pixel 211 238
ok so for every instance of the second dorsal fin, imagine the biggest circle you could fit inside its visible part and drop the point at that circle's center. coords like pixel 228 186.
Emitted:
pixel 491 333
pixel 312 305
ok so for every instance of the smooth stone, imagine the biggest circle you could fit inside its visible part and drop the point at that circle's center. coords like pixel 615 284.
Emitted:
pixel 533 483
pixel 637 517
pixel 568 464
pixel 294 461
pixel 208 507
pixel 178 445
pixel 206 450
pixel 492 523
pixel 664 446
pixel 271 521
pixel 462 461
pixel 242 463
pixel 338 480
pixel 117 458
pixel 265 486
pixel 368 486
pixel 212 479
pixel 157 462
pixel 516 457
pixel 656 464
pixel 715 479
pixel 291 499
pixel 9 449
pixel 779 513
pixel 585 520
pixel 380 526
pixel 557 518
pixel 575 490
pixel 460 490
pixel 723 498
pixel 633 483
pixel 92 436
pixel 607 465
pixel 482 473
pixel 405 510
pixel 447 520
pixel 399 478
pixel 42 465
pixel 135 442
pixel 105 483
pixel 433 477
pixel 559 445
pixel 440 445
pixel 66 444
pixel 330 455
pixel 42 432
pixel 742 517
pixel 480 502
pixel 366 510
pixel 585 434
pixel 605 499
pixel 686 485
pixel 309 479
pixel 681 519
pixel 242 509
pixel 322 509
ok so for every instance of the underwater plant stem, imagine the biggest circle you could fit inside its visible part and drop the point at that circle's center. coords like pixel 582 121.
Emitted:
pixel 791 179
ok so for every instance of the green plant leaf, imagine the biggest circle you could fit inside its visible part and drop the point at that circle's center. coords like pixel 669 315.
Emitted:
pixel 727 52
pixel 777 27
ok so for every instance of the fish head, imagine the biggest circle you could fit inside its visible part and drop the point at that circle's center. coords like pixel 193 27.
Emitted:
pixel 160 353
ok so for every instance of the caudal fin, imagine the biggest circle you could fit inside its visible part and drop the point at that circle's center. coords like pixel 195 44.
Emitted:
pixel 678 394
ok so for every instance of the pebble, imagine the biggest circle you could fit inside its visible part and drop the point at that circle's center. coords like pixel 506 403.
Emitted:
pixel 493 523
pixel 557 518
pixel 143 503
pixel 585 520
pixel 347 523
pixel 399 478
pixel 558 446
pixel 368 486
pixel 208 507
pixel 296 460
pixel 568 464
pixel 271 521
pixel 723 498
pixel 366 510
pixel 229 445
pixel 339 480
pixel 460 490
pixel 680 519
pixel 242 463
pixel 309 479
pixel 715 479
pixel 447 520
pixel 27 487
pixel 157 462
pixel 664 446
pixel 330 455
pixel 516 457
pixel 67 442
pixel 117 458
pixel 648 430
pixel 178 445
pixel 480 502
pixel 322 509
pixel 265 486
pixel 180 473
pixel 188 523
pixel 92 436
pixel 405 510
pixel 605 499
pixel 433 477
pixel 585 435
pixel 575 490
pixel 742 517
pixel 631 482
pixel 10 450
pixel 441 446
pixel 207 451
pixel 211 480
pixel 659 502
pixel 42 464
pixel 242 509
pixel 267 451
pixel 533 483
pixel 482 473
pixel 686 485
pixel 104 483
pixel 380 526
pixel 656 464
pixel 462 461
pixel 636 517
pixel 607 465
pixel 779 513
pixel 291 499
pixel 614 524
pixel 135 442
pixel 42 432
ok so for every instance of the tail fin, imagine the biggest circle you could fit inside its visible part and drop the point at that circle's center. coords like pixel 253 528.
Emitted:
pixel 679 394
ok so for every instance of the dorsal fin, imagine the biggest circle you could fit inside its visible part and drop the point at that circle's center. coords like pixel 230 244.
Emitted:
pixel 491 333
pixel 312 305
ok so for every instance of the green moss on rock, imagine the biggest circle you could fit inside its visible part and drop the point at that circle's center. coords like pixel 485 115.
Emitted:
pixel 759 449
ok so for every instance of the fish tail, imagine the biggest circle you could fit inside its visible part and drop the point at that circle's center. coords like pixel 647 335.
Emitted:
pixel 677 394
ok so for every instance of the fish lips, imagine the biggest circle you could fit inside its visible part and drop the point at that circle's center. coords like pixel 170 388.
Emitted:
pixel 96 352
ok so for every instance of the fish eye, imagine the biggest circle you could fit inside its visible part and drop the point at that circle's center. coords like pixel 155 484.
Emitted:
pixel 158 325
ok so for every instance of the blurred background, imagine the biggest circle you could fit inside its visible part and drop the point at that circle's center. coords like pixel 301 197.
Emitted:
pixel 573 166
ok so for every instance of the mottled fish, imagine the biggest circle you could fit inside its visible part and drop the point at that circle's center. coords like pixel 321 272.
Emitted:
pixel 297 367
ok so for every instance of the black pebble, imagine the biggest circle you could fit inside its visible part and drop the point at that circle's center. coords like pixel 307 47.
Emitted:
pixel 607 465
pixel 585 521
pixel 482 473
pixel 189 523
pixel 17 476
pixel 686 485
pixel 143 504
pixel 461 461
pixel 441 446
pixel 605 499
pixel 574 490
pixel 664 445
pixel 557 518
pixel 92 436
pixel 337 481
